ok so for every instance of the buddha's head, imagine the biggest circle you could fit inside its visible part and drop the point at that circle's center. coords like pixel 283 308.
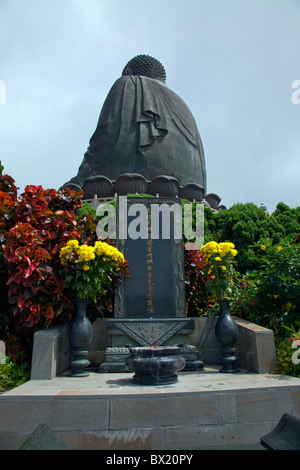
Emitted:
pixel 146 66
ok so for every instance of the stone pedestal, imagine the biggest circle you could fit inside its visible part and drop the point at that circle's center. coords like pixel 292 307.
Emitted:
pixel 127 333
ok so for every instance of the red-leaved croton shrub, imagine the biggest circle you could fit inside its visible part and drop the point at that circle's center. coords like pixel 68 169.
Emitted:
pixel 44 220
pixel 8 202
pixel 197 300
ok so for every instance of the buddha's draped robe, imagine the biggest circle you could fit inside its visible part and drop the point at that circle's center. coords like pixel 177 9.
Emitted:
pixel 146 128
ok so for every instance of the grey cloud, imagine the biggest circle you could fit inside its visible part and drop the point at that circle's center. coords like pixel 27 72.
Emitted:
pixel 232 62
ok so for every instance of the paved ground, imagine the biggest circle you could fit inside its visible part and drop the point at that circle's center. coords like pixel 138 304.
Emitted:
pixel 120 383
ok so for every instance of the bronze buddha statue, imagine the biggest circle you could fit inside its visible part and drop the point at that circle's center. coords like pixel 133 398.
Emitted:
pixel 144 128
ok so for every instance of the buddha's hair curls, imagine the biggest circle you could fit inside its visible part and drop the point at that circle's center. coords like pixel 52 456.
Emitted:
pixel 145 65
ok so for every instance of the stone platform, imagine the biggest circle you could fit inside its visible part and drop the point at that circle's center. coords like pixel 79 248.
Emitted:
pixel 204 409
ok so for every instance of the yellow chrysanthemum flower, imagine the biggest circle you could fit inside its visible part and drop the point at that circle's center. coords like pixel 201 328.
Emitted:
pixel 108 251
pixel 121 258
pixel 65 251
pixel 73 244
pixel 225 248
pixel 86 253
pixel 99 248
pixel 209 248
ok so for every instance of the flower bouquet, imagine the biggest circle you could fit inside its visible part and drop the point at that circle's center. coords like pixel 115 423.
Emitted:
pixel 90 270
pixel 219 257
pixel 219 267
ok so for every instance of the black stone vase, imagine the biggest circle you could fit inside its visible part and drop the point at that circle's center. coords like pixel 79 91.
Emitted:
pixel 80 334
pixel 227 333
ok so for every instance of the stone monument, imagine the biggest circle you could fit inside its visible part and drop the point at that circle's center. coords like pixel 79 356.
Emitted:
pixel 146 141
pixel 150 305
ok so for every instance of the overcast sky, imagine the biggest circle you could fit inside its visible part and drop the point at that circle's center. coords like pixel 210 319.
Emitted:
pixel 233 62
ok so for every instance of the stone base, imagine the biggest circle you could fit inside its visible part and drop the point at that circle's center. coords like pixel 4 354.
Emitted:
pixel 115 359
pixel 191 356
pixel 125 333
pixel 255 349
pixel 109 412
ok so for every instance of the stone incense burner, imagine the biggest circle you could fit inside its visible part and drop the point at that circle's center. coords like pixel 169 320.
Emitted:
pixel 155 365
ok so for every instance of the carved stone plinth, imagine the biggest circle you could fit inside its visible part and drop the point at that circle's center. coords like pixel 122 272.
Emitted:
pixel 127 333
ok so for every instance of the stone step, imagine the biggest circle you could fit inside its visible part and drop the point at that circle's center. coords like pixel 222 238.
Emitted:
pixel 107 411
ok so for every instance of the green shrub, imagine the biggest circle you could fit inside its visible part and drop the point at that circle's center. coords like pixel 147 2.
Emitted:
pixel 270 295
pixel 13 374
pixel 285 363
pixel 284 221
pixel 86 208
pixel 246 224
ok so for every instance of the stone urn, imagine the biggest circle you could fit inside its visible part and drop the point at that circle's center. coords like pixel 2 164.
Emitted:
pixel 226 331
pixel 81 335
pixel 155 365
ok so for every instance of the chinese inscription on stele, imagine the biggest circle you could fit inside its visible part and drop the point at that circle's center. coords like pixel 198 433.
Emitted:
pixel 155 287
pixel 149 268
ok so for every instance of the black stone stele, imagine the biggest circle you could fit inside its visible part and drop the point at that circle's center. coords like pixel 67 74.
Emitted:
pixel 155 365
pixel 153 297
pixel 155 287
